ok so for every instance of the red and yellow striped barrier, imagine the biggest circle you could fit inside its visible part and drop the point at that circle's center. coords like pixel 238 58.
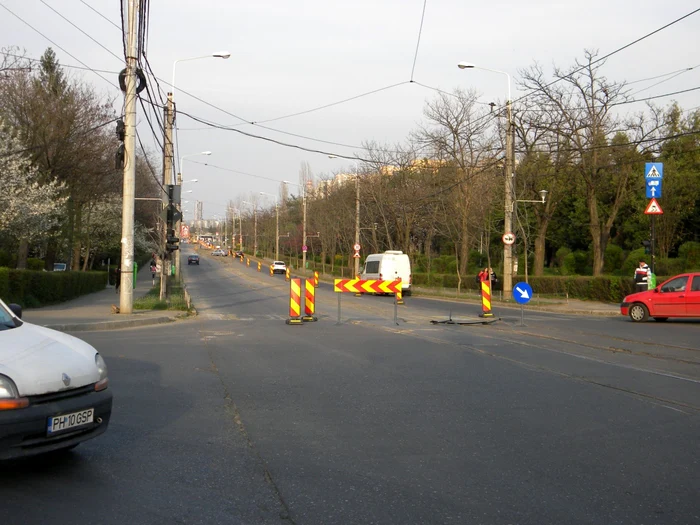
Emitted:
pixel 287 274
pixel 486 299
pixel 316 279
pixel 294 302
pixel 259 266
pixel 247 261
pixel 309 301
pixel 272 270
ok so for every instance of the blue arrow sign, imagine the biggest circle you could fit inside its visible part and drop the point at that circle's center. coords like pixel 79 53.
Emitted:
pixel 653 188
pixel 522 293
pixel 654 170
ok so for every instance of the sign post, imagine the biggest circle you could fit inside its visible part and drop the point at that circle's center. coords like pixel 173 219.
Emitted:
pixel 522 293
pixel 653 176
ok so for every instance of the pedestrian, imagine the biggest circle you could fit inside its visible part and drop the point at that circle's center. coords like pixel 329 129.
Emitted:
pixel 641 276
pixel 494 278
pixel 154 269
pixel 118 278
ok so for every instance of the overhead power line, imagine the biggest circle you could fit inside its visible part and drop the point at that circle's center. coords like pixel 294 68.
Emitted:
pixel 58 46
pixel 420 32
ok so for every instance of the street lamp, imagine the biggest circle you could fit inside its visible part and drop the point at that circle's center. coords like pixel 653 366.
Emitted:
pixel 255 227
pixel 510 156
pixel 357 214
pixel 219 54
pixel 277 228
pixel 303 229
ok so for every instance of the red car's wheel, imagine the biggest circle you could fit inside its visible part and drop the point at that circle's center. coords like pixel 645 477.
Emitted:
pixel 638 313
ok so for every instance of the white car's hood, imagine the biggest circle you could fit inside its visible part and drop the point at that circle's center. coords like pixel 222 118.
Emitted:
pixel 36 359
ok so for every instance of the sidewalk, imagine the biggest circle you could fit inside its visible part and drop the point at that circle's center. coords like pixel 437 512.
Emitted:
pixel 94 311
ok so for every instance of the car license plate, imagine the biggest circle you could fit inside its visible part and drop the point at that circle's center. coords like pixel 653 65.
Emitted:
pixel 68 421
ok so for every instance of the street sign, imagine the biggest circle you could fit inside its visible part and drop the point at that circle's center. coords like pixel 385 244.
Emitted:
pixel 356 247
pixel 654 170
pixel 653 188
pixel 508 238
pixel 304 248
pixel 653 208
pixel 522 293
pixel 356 255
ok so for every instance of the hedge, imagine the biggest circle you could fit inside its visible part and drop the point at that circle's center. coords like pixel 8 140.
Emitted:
pixel 32 289
pixel 609 289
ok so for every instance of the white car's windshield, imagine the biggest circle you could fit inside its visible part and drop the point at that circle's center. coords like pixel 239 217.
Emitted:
pixel 7 321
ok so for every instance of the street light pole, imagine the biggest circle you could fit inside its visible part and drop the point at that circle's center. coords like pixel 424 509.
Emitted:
pixel 303 228
pixel 357 214
pixel 510 159
pixel 277 225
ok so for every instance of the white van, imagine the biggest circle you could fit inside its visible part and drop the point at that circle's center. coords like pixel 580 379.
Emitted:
pixel 389 266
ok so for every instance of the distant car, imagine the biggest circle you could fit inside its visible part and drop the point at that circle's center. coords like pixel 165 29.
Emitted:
pixel 193 259
pixel 679 296
pixel 279 267
pixel 219 252
pixel 59 267
pixel 53 388
pixel 239 253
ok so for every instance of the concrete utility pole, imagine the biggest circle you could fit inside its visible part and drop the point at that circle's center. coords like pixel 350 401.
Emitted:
pixel 303 231
pixel 508 218
pixel 126 290
pixel 167 171
pixel 357 218
pixel 255 229
pixel 277 231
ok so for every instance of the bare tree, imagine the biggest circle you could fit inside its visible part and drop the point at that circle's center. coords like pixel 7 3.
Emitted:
pixel 578 110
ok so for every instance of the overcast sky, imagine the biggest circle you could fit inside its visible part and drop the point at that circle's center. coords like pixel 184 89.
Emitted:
pixel 290 56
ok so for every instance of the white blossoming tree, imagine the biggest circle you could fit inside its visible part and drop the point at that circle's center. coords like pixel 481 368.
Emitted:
pixel 28 208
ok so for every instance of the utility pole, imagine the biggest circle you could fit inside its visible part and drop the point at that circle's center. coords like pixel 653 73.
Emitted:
pixel 277 232
pixel 508 216
pixel 126 290
pixel 357 220
pixel 178 223
pixel 167 171
pixel 240 228
pixel 303 231
pixel 255 229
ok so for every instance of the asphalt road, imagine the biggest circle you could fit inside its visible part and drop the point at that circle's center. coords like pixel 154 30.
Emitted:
pixel 236 417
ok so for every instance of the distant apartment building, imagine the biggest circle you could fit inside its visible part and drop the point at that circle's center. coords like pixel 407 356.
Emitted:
pixel 198 211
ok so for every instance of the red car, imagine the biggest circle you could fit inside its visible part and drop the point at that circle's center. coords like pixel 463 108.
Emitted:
pixel 677 297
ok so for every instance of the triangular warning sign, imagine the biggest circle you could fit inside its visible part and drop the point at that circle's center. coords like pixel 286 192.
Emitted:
pixel 653 173
pixel 653 208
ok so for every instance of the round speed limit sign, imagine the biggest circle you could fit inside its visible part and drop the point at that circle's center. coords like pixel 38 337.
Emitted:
pixel 508 238
pixel 356 247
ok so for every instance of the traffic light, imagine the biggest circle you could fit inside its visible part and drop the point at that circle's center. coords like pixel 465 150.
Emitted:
pixel 171 241
pixel 647 246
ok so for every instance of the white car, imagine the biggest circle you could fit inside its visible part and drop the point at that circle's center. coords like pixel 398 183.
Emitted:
pixel 279 267
pixel 219 252
pixel 53 388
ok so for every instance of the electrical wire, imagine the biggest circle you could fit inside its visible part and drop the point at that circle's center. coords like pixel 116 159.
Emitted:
pixel 89 130
pixel 83 32
pixel 58 46
pixel 233 171
pixel 618 50
pixel 148 163
pixel 372 92
pixel 420 32
pixel 62 65
pixel 666 80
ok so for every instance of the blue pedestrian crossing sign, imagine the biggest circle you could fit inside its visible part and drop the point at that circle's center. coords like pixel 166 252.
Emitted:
pixel 654 170
pixel 522 293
